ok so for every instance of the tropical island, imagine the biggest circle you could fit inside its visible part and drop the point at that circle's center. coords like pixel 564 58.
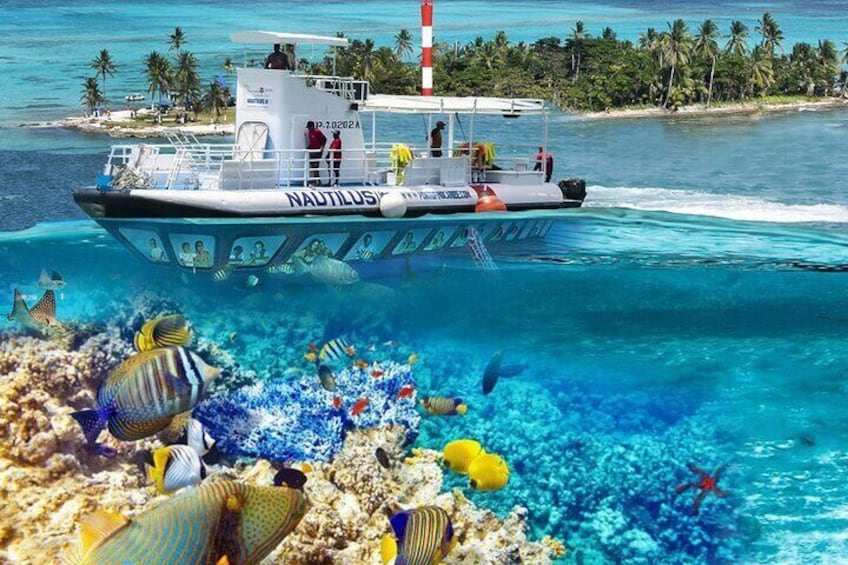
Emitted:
pixel 599 75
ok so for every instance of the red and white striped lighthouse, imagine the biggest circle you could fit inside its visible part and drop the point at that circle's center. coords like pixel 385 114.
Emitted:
pixel 427 47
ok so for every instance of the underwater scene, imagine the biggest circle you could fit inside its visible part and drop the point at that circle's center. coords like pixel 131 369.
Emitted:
pixel 633 387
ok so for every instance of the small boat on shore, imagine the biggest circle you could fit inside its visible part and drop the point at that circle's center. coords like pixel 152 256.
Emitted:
pixel 272 196
pixel 134 97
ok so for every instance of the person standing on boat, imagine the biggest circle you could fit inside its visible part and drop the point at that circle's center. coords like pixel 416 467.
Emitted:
pixel 549 163
pixel 334 157
pixel 436 139
pixel 277 60
pixel 315 141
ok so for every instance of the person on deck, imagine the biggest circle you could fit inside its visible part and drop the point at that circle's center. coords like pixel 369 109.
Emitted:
pixel 334 157
pixel 436 139
pixel 315 142
pixel 549 163
pixel 277 59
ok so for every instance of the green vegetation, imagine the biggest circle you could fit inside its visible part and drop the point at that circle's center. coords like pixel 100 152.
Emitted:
pixel 91 96
pixel 103 65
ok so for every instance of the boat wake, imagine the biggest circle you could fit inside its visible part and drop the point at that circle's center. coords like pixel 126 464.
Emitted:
pixel 733 207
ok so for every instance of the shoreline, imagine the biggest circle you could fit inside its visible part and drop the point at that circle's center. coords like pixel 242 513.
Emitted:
pixel 113 128
pixel 697 110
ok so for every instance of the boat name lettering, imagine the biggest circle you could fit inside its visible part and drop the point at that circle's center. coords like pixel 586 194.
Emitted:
pixel 321 198
pixel 437 195
pixel 338 124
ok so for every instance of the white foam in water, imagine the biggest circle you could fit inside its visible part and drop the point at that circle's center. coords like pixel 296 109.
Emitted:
pixel 746 208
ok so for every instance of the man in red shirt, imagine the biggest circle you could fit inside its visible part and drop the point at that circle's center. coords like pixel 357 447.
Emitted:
pixel 315 141
pixel 334 157
pixel 549 163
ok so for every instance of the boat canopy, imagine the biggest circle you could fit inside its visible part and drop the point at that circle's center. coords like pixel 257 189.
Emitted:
pixel 273 37
pixel 452 104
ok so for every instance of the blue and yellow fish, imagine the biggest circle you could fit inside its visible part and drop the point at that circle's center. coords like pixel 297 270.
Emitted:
pixel 219 522
pixel 423 536
pixel 144 393
pixel 164 331
pixel 175 467
pixel 336 349
pixel 440 406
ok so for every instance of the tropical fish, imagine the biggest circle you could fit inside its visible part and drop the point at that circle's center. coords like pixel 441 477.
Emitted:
pixel 377 373
pixel 459 454
pixel 327 378
pixel 492 372
pixel 232 336
pixel 143 394
pixel 383 458
pixel 175 467
pixel 335 349
pixel 440 406
pixel 361 363
pixel 423 536
pixel 218 520
pixel 390 343
pixel 312 347
pixel 303 466
pixel 198 438
pixel 337 402
pixel 53 281
pixel 311 357
pixel 406 391
pixel 164 331
pixel 359 406
pixel 40 317
pixel 223 273
pixel 412 360
pixel 488 472
pixel 293 372
pixel 283 268
pixel 329 271
pixel 291 477
pixel 252 281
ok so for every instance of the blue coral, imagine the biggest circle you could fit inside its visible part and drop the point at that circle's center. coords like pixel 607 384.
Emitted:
pixel 294 418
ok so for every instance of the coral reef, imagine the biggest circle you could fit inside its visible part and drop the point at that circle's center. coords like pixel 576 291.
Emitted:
pixel 295 418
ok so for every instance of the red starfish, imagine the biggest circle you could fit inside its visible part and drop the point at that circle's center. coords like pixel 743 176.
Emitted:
pixel 706 482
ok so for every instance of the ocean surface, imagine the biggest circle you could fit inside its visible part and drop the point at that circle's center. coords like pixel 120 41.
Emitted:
pixel 694 311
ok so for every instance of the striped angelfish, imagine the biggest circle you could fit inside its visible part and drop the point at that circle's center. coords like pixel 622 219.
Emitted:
pixel 423 536
pixel 164 331
pixel 175 467
pixel 334 349
pixel 142 395
pixel 219 519
pixel 440 406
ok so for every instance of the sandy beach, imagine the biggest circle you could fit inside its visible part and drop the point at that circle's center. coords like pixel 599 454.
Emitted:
pixel 112 126
pixel 701 110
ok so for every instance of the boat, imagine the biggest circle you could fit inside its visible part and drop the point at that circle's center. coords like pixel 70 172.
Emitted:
pixel 134 97
pixel 265 200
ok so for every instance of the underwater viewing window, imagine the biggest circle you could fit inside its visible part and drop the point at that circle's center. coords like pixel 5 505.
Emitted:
pixel 196 251
pixel 147 243
pixel 461 237
pixel 254 251
pixel 512 231
pixel 326 245
pixel 410 241
pixel 440 239
pixel 498 232
pixel 369 246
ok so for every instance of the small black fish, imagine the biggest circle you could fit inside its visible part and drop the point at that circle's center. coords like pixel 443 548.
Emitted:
pixel 383 458
pixel 290 477
pixel 492 372
pixel 328 379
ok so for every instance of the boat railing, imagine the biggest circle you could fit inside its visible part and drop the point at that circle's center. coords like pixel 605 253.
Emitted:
pixel 344 87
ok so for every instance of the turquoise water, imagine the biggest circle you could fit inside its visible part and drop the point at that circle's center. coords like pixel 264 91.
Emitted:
pixel 652 340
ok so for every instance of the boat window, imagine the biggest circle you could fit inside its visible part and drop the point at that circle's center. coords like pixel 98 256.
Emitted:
pixel 147 243
pixel 546 227
pixel 440 239
pixel 528 230
pixel 410 241
pixel 324 244
pixel 369 246
pixel 512 231
pixel 254 251
pixel 497 234
pixel 461 237
pixel 192 250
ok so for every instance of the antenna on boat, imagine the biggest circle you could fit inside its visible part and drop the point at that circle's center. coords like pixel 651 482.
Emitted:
pixel 427 47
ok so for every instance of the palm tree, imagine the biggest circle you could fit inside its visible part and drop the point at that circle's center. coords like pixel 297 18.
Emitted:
pixel 706 46
pixel 844 62
pixel 676 48
pixel 177 39
pixel 828 60
pixel 489 55
pixel 578 34
pixel 363 54
pixel 762 72
pixel 501 41
pixel 158 71
pixel 228 66
pixel 403 43
pixel 91 95
pixel 103 65
pixel 186 80
pixel 608 34
pixel 771 32
pixel 738 44
pixel 215 100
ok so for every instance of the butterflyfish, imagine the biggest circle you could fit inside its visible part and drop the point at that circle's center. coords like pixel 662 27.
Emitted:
pixel 220 521
pixel 440 406
pixel 53 281
pixel 458 454
pixel 164 331
pixel 327 378
pixel 40 317
pixel 175 467
pixel 423 536
pixel 488 472
pixel 143 394
pixel 334 349
pixel 198 438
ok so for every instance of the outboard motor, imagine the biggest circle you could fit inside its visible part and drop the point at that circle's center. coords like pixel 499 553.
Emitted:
pixel 573 189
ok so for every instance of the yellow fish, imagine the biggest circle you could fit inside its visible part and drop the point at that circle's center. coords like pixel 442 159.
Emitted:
pixel 459 454
pixel 488 472
pixel 421 536
pixel 412 360
pixel 164 331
